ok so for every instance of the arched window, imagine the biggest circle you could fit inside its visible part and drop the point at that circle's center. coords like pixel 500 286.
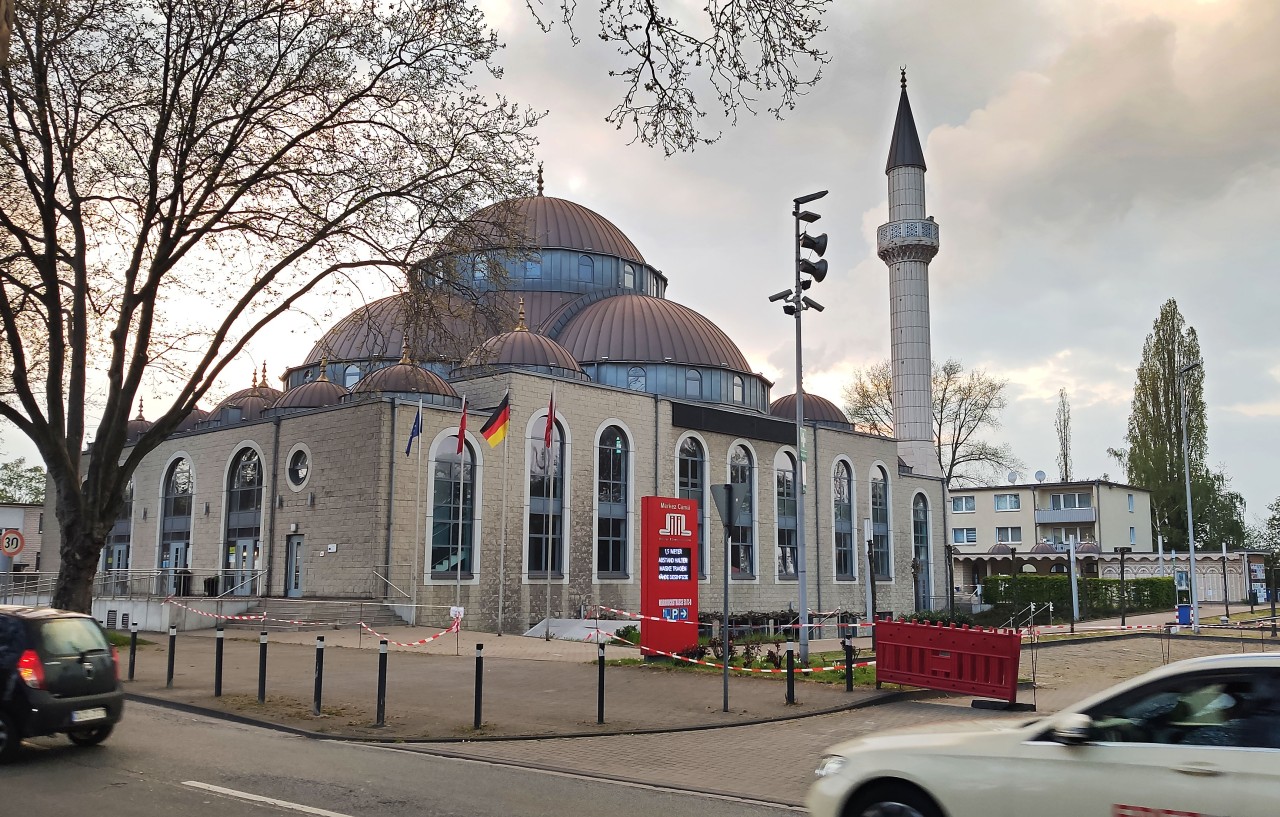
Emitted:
pixel 175 517
pixel 692 484
pixel 636 378
pixel 739 389
pixel 693 384
pixel 612 499
pixel 244 524
pixel 742 544
pixel 480 268
pixel 453 507
pixel 115 556
pixel 842 497
pixel 920 571
pixel 351 375
pixel 586 268
pixel 784 469
pixel 880 561
pixel 628 276
pixel 546 502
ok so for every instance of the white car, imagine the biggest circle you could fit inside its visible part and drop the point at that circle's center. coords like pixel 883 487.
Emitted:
pixel 1198 737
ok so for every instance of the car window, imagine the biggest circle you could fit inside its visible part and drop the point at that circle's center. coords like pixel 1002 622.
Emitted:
pixel 71 636
pixel 1238 709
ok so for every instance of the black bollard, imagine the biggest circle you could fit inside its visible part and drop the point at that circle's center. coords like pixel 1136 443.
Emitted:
pixel 133 646
pixel 791 673
pixel 315 703
pixel 848 663
pixel 382 682
pixel 217 662
pixel 173 644
pixel 262 667
pixel 600 685
pixel 479 683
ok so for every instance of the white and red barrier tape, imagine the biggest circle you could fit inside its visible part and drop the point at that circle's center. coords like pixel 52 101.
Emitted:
pixel 638 616
pixel 262 617
pixel 761 670
pixel 453 628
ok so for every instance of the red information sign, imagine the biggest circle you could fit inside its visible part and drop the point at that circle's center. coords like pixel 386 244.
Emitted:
pixel 669 573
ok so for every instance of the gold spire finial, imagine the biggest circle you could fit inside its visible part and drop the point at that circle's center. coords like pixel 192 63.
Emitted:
pixel 140 417
pixel 255 378
pixel 324 369
pixel 903 69
pixel 520 327
pixel 264 374
pixel 539 178
pixel 404 352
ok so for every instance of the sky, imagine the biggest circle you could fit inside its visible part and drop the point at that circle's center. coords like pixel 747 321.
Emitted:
pixel 1087 160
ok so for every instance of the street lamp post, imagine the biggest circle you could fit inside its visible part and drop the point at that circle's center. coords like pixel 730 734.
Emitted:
pixel 1124 598
pixel 1186 465
pixel 795 303
pixel 1013 572
pixel 1226 593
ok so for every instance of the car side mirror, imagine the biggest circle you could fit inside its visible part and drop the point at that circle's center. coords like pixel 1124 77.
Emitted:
pixel 1073 729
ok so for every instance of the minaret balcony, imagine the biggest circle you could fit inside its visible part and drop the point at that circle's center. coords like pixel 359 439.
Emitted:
pixel 907 240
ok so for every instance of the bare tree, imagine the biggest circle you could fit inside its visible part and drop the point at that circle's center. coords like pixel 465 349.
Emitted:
pixel 740 50
pixel 964 406
pixel 181 172
pixel 1062 424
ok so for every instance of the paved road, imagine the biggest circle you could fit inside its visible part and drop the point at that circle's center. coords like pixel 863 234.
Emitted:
pixel 151 766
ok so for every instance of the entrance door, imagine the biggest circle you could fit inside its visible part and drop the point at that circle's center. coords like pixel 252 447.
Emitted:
pixel 293 567
pixel 176 556
pixel 240 566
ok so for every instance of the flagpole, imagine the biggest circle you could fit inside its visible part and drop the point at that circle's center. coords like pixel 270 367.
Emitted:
pixel 462 452
pixel 502 544
pixel 551 496
pixel 417 524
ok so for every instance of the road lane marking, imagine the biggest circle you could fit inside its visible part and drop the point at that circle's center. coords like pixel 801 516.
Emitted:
pixel 257 798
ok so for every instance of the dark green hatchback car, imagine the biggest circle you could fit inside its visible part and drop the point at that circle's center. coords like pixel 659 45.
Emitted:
pixel 58 674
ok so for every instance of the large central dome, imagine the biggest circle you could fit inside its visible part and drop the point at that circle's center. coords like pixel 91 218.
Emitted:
pixel 544 222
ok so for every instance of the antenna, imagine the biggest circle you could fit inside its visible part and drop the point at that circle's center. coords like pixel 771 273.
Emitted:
pixel 1013 477
pixel 1040 476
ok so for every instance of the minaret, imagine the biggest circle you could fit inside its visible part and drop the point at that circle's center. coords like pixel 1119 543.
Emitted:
pixel 907 244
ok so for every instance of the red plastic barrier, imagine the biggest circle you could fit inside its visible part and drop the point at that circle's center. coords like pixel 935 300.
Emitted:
pixel 972 660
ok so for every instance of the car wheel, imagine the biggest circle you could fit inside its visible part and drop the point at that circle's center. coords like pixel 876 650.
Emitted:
pixel 91 736
pixel 893 800
pixel 10 737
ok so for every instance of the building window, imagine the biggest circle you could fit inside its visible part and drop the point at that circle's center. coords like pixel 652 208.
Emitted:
pixel 692 484
pixel 963 504
pixel 1009 535
pixel 1133 536
pixel 1058 568
pixel 880 559
pixel 453 510
pixel 241 551
pixel 546 502
pixel 351 376
pixel 628 276
pixel 40 524
pixel 739 389
pixel 533 268
pixel 175 517
pixel 636 378
pixel 1008 502
pixel 920 548
pixel 693 384
pixel 480 268
pixel 1060 536
pixel 1130 503
pixel 611 503
pixel 299 468
pixel 741 538
pixel 115 556
pixel 586 268
pixel 964 536
pixel 842 495
pixel 1060 502
pixel 784 469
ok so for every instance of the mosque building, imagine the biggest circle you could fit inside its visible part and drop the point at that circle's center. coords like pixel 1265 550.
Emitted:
pixel 350 481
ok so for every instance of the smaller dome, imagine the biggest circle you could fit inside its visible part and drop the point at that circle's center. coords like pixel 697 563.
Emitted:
pixel 405 377
pixel 999 550
pixel 1043 547
pixel 136 427
pixel 316 394
pixel 246 404
pixel 817 409
pixel 522 349
pixel 196 416
pixel 1088 549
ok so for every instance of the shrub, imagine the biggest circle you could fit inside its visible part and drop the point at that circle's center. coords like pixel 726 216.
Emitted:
pixel 630 633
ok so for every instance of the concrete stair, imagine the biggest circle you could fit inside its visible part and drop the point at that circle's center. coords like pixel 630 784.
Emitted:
pixel 318 614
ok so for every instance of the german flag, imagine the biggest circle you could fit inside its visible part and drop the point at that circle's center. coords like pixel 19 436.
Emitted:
pixel 495 428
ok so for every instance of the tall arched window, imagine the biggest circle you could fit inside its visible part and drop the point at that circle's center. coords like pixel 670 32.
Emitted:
pixel 351 375
pixel 612 497
pixel 244 523
pixel 453 508
pixel 692 484
pixel 880 562
pixel 628 276
pixel 742 544
pixel 175 517
pixel 739 389
pixel 115 556
pixel 480 268
pixel 636 378
pixel 842 496
pixel 546 503
pixel 693 384
pixel 784 470
pixel 586 268
pixel 920 550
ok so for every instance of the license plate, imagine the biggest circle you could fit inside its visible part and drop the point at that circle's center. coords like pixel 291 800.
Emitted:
pixel 82 715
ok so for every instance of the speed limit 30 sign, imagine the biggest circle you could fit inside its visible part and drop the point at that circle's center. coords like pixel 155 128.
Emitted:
pixel 12 543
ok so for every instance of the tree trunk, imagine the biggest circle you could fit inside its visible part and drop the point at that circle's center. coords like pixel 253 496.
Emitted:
pixel 80 550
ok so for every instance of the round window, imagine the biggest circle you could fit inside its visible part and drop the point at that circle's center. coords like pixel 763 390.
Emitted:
pixel 299 468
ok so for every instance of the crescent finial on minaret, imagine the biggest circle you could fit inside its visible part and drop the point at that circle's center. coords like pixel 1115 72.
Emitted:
pixel 140 417
pixel 520 327
pixel 404 351
pixel 539 178
pixel 903 69
pixel 324 369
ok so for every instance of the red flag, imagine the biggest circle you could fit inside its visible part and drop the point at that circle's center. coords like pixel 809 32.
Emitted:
pixel 462 427
pixel 551 419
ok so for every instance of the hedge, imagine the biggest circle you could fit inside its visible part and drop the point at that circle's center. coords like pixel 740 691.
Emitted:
pixel 1099 598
